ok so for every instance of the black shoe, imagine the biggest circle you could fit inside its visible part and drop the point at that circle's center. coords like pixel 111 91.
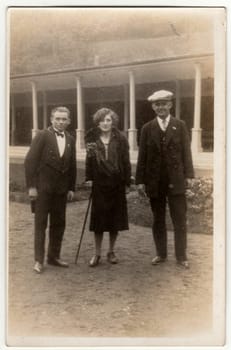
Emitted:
pixel 112 258
pixel 183 263
pixel 94 261
pixel 158 260
pixel 57 262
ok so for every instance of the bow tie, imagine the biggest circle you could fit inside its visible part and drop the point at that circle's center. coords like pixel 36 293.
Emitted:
pixel 59 133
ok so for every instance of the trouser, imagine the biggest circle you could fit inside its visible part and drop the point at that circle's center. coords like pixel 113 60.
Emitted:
pixel 54 206
pixel 177 208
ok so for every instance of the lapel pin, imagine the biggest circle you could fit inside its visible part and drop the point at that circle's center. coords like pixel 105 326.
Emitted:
pixel 174 128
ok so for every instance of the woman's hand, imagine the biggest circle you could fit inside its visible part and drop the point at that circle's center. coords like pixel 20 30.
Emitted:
pixel 91 148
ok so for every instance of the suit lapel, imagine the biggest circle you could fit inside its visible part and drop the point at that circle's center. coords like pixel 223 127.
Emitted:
pixel 155 132
pixel 54 142
pixel 67 145
pixel 170 129
pixel 67 148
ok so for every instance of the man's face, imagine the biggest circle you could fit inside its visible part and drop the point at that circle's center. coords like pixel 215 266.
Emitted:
pixel 162 108
pixel 60 120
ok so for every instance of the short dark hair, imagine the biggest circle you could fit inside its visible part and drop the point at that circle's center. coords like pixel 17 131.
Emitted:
pixel 60 109
pixel 101 114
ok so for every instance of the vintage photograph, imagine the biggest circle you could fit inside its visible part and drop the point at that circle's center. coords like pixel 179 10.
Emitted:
pixel 116 157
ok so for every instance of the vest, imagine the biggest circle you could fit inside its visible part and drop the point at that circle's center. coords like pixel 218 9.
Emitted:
pixel 163 152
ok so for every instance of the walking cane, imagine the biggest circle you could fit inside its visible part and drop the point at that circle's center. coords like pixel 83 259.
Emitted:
pixel 83 228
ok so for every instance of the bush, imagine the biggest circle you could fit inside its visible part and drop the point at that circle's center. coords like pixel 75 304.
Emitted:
pixel 15 187
pixel 199 204
pixel 200 195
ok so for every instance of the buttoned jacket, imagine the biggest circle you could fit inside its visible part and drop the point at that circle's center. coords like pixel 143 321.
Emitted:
pixel 177 156
pixel 45 169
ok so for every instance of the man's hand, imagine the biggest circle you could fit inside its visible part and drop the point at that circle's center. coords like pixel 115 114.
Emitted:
pixel 141 190
pixel 33 193
pixel 127 189
pixel 188 182
pixel 88 183
pixel 70 195
pixel 133 180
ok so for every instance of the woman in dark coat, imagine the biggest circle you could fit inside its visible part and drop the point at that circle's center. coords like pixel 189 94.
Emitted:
pixel 108 170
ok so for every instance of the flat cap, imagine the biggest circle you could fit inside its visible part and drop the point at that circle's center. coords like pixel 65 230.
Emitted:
pixel 162 95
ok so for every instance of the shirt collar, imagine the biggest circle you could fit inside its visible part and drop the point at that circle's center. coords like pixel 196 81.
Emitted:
pixel 166 119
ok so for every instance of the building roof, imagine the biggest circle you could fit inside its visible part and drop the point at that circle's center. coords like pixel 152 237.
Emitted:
pixel 45 40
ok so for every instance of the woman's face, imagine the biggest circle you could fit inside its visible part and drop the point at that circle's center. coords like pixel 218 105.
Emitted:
pixel 105 125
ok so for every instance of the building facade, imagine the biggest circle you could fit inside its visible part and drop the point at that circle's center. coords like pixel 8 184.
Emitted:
pixel 120 74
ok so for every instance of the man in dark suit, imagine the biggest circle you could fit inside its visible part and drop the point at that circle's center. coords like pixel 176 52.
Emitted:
pixel 164 170
pixel 50 167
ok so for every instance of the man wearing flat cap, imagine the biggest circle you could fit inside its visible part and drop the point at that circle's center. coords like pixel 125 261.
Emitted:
pixel 164 170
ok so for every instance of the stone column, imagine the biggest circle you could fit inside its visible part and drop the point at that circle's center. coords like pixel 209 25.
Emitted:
pixel 177 106
pixel 80 117
pixel 132 131
pixel 196 131
pixel 126 109
pixel 34 109
pixel 13 121
pixel 44 110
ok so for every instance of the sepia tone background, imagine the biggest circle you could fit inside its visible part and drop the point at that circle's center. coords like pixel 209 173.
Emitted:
pixel 86 58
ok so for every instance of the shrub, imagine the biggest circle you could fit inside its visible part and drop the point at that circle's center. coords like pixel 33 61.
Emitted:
pixel 199 203
pixel 14 186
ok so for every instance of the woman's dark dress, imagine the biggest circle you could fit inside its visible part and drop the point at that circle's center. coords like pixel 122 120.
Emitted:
pixel 110 177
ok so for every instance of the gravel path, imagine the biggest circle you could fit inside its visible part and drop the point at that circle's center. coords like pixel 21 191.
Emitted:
pixel 131 299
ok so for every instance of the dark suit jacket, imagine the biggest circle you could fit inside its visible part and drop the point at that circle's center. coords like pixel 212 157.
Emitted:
pixel 179 158
pixel 44 167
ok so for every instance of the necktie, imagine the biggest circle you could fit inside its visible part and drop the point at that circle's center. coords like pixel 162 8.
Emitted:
pixel 164 123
